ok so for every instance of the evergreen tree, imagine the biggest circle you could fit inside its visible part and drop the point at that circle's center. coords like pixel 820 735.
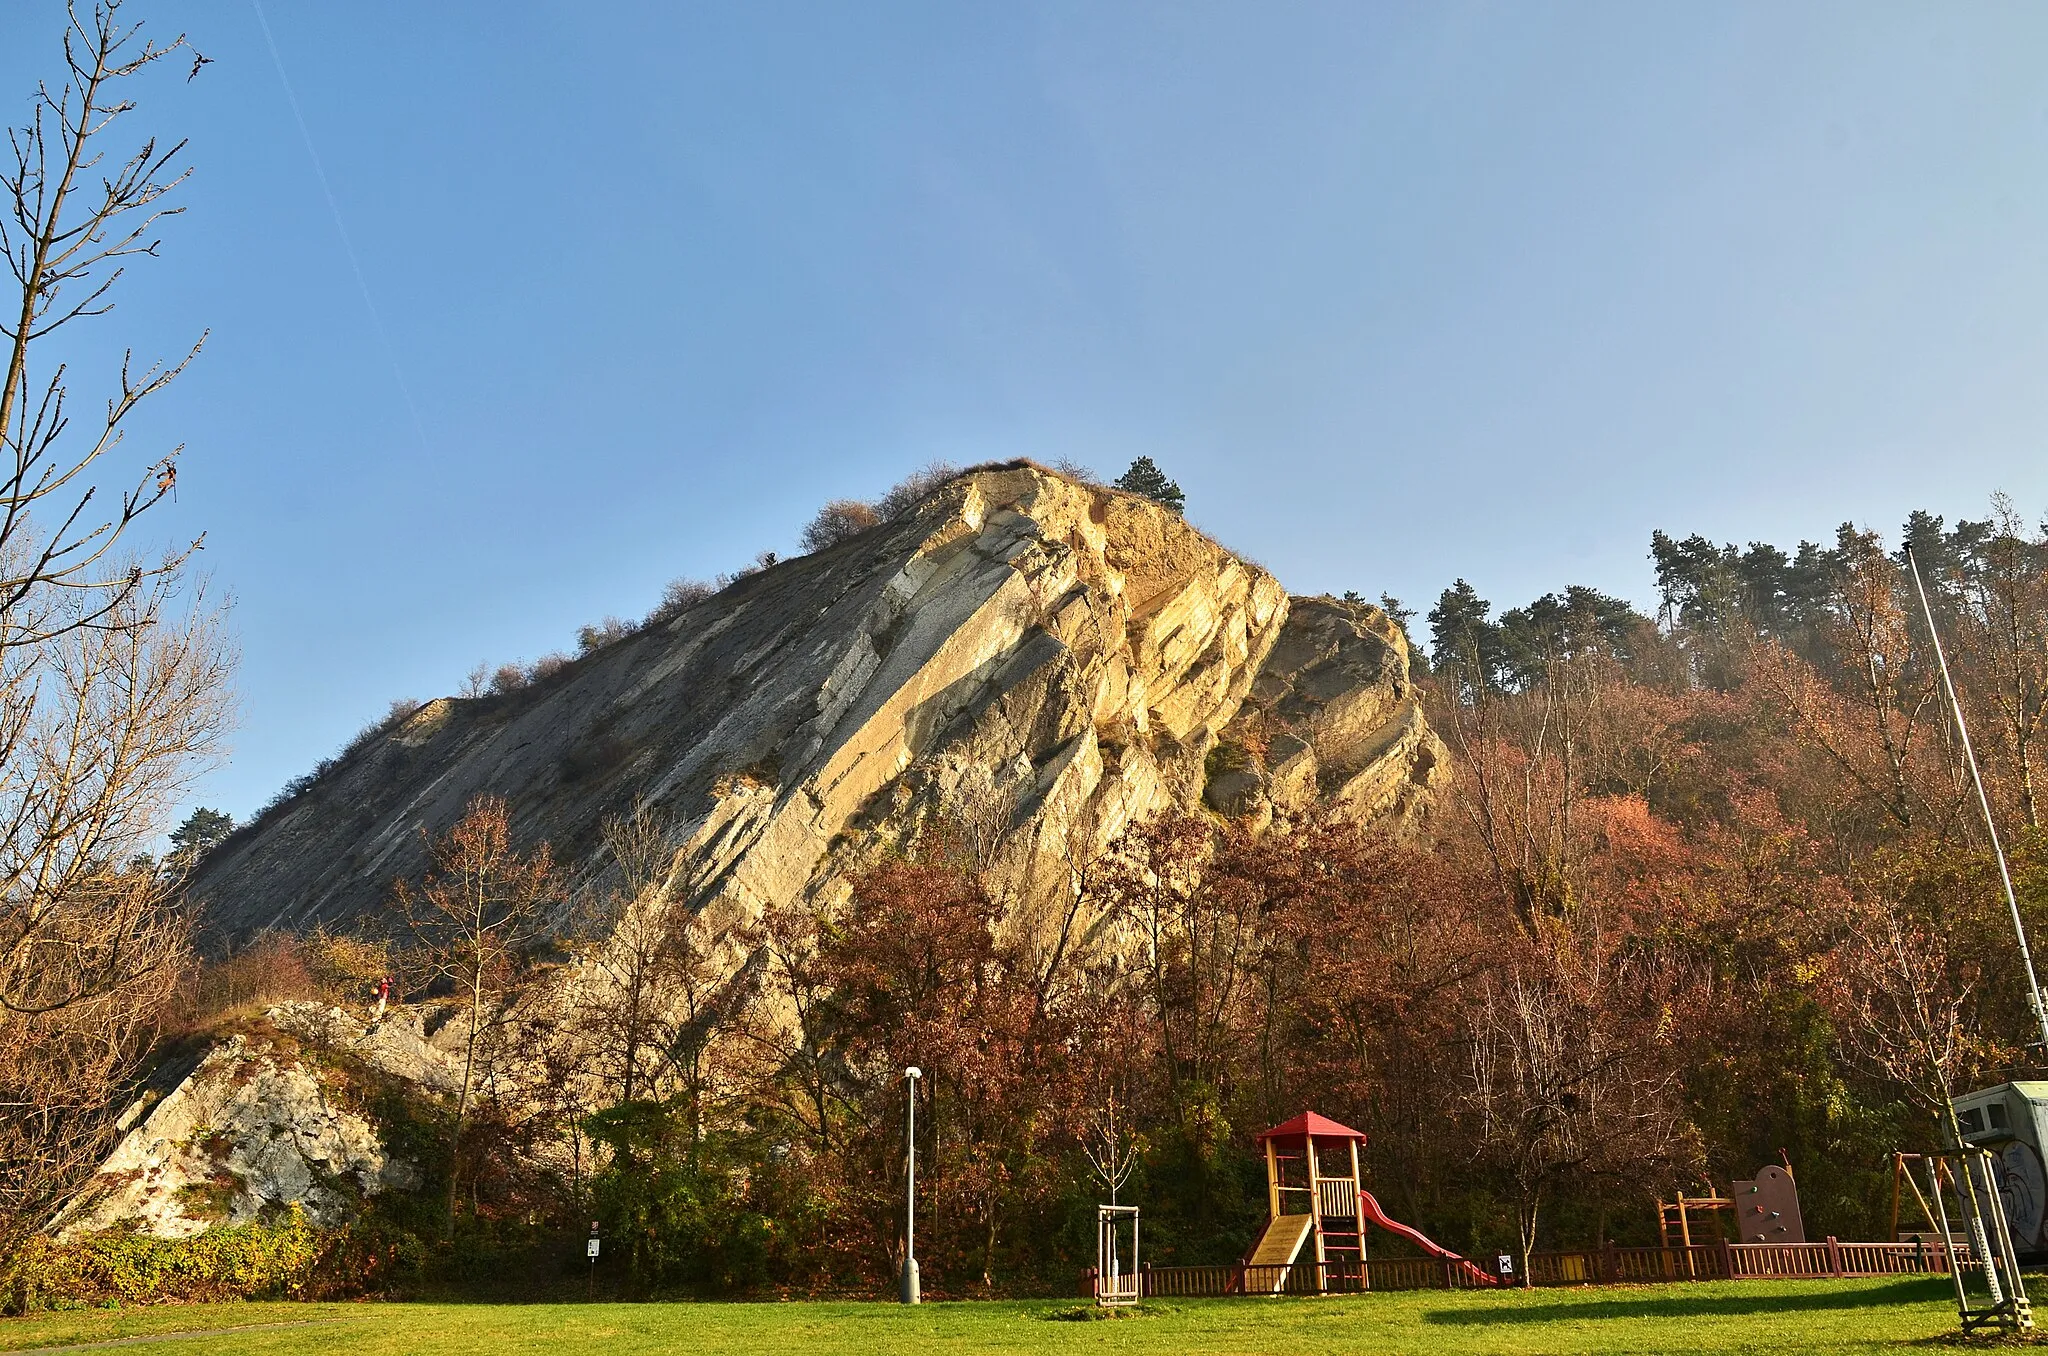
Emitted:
pixel 1563 626
pixel 1468 644
pixel 1418 658
pixel 1696 579
pixel 200 834
pixel 1147 479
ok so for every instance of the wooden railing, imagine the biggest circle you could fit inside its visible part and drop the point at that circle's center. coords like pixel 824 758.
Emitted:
pixel 1337 1200
pixel 1734 1262
pixel 1592 1266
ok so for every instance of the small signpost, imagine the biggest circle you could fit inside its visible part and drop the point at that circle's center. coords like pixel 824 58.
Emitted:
pixel 590 1250
pixel 1504 1266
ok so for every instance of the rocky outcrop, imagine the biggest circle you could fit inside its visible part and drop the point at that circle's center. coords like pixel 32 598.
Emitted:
pixel 1022 667
pixel 1332 723
pixel 257 1126
pixel 1025 662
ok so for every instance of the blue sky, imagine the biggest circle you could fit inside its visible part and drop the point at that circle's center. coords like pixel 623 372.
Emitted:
pixel 1397 292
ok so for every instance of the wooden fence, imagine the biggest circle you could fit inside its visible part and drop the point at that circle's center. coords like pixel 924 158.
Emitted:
pixel 1593 1266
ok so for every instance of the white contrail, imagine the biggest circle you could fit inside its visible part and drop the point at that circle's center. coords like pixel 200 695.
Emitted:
pixel 340 228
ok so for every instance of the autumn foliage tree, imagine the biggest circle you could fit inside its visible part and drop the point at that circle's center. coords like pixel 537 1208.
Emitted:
pixel 473 918
pixel 920 977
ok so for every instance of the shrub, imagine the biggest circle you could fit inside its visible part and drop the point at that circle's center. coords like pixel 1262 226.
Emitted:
pixel 606 632
pixel 547 666
pixel 346 966
pixel 271 969
pixel 914 488
pixel 679 1200
pixel 246 1261
pixel 402 709
pixel 680 596
pixel 507 679
pixel 841 520
pixel 367 1256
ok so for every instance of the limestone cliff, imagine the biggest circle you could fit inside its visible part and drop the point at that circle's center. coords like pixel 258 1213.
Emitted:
pixel 1331 722
pixel 270 1117
pixel 1031 662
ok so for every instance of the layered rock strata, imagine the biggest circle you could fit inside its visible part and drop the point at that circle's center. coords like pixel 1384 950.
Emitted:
pixel 1027 662
pixel 1019 669
pixel 1332 723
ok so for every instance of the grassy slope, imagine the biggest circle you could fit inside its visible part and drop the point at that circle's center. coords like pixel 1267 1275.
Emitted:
pixel 1813 1316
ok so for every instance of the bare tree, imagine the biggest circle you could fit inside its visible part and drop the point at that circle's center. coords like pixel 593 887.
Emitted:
pixel 1112 1148
pixel 1527 758
pixel 475 914
pixel 840 520
pixel 1875 716
pixel 981 809
pixel 795 982
pixel 630 959
pixel 65 242
pixel 662 1000
pixel 1562 1090
pixel 113 675
pixel 1906 1001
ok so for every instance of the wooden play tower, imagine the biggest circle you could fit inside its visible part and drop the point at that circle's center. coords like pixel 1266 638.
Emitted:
pixel 1305 1198
pixel 1314 1194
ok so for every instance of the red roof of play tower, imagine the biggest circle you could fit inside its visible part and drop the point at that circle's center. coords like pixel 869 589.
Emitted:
pixel 1308 1123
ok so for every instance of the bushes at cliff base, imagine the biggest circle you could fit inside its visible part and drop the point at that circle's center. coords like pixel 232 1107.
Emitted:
pixel 247 1261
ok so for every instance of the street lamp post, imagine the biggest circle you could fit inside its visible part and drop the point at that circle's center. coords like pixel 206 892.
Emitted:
pixel 910 1287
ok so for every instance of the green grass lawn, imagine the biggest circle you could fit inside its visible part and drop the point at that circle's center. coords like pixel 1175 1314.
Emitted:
pixel 1789 1316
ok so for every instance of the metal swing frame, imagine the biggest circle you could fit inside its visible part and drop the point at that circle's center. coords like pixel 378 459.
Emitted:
pixel 1980 1212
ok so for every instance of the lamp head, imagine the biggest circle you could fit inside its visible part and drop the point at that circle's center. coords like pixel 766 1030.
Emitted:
pixel 913 1073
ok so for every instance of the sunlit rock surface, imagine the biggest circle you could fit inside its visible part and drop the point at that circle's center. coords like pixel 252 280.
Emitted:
pixel 1026 662
pixel 259 1125
pixel 1024 666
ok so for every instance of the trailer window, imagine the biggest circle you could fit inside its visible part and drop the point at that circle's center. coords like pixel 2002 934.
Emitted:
pixel 1997 1113
pixel 1972 1121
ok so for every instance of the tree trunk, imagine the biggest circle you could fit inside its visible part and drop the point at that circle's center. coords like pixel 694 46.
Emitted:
pixel 462 1098
pixel 1531 1204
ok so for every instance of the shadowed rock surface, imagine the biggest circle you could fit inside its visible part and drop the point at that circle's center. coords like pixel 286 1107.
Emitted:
pixel 1031 662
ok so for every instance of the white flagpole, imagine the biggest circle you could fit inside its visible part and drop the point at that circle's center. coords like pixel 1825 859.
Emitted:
pixel 2012 900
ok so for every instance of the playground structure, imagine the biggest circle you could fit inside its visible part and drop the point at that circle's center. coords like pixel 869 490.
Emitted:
pixel 1764 1209
pixel 1315 1196
pixel 1319 1217
pixel 1314 1242
pixel 1675 1218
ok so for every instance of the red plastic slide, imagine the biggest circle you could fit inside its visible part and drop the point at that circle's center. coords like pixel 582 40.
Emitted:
pixel 1370 1209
